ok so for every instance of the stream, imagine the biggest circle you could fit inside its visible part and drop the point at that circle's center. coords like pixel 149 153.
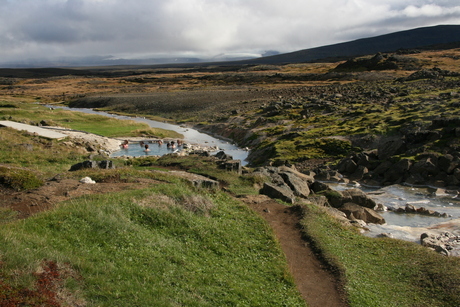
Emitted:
pixel 405 226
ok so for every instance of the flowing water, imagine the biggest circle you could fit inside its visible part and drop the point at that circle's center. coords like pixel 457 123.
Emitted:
pixel 399 225
pixel 409 226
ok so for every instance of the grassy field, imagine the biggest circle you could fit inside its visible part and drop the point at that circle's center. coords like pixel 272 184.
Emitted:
pixel 27 110
pixel 167 246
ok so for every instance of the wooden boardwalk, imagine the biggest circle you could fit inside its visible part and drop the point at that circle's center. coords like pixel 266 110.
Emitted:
pixel 33 129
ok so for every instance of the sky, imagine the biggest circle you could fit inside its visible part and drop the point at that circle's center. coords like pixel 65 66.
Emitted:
pixel 47 29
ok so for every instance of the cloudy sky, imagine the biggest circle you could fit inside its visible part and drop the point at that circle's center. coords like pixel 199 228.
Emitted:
pixel 32 29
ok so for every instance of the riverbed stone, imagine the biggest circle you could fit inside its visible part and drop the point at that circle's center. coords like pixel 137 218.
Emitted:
pixel 356 212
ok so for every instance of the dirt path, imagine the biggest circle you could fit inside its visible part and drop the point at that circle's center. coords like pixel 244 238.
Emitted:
pixel 317 286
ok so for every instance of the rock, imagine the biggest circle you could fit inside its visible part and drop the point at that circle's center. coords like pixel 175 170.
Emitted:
pixel 281 191
pixel 233 166
pixel 444 243
pixel 83 165
pixel 197 180
pixel 106 164
pixel 87 180
pixel 347 166
pixel 390 148
pixel 296 181
pixel 356 212
pixel 223 156
pixel 319 186
pixel 359 173
pixel 358 197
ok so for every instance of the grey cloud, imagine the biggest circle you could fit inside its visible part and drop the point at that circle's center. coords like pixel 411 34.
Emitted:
pixel 36 28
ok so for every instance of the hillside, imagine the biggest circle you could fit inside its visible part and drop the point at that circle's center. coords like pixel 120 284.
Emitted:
pixel 438 37
pixel 433 38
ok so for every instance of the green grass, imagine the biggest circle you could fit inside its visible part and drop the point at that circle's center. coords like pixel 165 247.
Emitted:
pixel 110 127
pixel 44 157
pixel 384 272
pixel 167 246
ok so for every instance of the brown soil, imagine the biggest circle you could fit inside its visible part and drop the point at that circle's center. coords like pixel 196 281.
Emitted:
pixel 317 286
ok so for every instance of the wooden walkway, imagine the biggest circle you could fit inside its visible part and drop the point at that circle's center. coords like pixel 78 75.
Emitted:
pixel 33 129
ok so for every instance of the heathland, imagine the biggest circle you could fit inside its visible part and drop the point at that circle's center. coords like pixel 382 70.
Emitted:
pixel 144 235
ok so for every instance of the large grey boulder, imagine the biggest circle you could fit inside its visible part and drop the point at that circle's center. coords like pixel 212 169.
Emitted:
pixel 356 212
pixel 358 197
pixel 298 182
pixel 390 148
pixel 279 191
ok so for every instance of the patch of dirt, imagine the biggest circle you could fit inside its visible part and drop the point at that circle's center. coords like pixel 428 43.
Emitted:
pixel 46 197
pixel 317 285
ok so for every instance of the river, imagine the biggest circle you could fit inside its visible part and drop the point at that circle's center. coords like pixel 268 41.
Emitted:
pixel 402 226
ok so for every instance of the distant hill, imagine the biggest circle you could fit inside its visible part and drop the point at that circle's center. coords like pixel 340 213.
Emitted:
pixel 439 36
pixel 436 37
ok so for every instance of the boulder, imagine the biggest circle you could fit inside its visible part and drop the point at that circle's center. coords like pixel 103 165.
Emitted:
pixel 298 185
pixel 359 173
pixel 390 148
pixel 223 156
pixel 318 186
pixel 425 167
pixel 280 191
pixel 356 212
pixel 347 166
pixel 83 165
pixel 358 197
pixel 105 164
pixel 233 166
pixel 197 180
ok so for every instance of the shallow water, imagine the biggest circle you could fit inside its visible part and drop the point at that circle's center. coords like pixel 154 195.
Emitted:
pixel 408 226
pixel 190 136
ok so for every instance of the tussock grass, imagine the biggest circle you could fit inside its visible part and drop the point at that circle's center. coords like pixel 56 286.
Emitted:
pixel 167 246
pixel 383 271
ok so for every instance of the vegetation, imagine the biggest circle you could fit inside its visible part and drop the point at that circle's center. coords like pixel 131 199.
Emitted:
pixel 31 113
pixel 171 245
pixel 383 271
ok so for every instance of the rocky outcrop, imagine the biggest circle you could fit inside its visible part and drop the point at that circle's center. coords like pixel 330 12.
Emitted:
pixel 288 184
pixel 444 243
pixel 421 210
pixel 105 164
pixel 280 191
pixel 429 169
